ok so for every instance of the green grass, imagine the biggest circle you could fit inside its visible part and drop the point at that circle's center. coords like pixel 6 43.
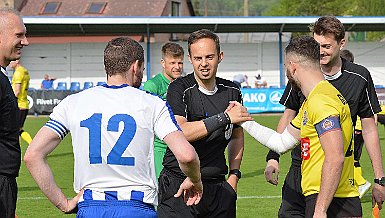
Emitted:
pixel 256 197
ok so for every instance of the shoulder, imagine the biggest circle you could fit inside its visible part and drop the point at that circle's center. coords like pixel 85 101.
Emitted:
pixel 356 70
pixel 227 83
pixel 183 83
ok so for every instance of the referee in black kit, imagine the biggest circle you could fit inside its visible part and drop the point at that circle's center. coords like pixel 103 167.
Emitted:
pixel 355 84
pixel 199 101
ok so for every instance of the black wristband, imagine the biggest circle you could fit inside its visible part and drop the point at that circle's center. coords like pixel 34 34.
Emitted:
pixel 217 121
pixel 272 155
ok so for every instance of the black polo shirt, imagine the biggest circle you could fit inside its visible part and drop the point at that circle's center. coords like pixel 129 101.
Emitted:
pixel 188 101
pixel 354 83
pixel 10 154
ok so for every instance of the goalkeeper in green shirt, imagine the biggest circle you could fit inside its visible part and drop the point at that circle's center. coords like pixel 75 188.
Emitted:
pixel 172 68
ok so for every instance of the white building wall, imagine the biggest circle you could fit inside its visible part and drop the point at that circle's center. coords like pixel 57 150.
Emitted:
pixel 84 61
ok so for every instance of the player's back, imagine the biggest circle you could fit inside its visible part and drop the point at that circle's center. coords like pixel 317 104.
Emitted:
pixel 112 129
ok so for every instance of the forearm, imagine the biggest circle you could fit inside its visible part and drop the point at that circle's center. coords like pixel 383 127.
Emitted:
pixel 194 131
pixel 43 176
pixel 235 149
pixel 331 174
pixel 372 145
pixel 279 143
pixel 191 169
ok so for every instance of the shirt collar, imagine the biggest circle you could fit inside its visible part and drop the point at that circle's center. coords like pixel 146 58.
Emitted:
pixel 4 70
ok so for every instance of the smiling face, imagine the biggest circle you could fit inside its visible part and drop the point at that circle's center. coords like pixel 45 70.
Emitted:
pixel 329 49
pixel 12 38
pixel 205 59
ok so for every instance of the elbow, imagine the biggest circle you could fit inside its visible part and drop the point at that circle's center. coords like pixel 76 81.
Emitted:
pixel 30 157
pixel 189 157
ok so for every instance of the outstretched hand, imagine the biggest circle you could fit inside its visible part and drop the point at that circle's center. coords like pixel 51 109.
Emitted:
pixel 237 112
pixel 192 192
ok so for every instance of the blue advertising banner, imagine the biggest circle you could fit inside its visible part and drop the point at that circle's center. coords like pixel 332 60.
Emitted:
pixel 262 100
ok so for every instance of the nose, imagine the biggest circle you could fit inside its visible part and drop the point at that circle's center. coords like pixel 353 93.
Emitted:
pixel 204 62
pixel 24 41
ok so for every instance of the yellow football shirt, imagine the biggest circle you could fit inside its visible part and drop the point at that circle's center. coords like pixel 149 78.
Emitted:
pixel 323 108
pixel 21 76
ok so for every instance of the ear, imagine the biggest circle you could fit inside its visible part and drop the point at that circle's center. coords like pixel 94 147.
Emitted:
pixel 189 58
pixel 342 44
pixel 163 63
pixel 221 55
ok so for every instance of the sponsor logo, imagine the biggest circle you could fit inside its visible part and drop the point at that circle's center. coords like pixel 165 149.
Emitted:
pixel 275 96
pixel 305 148
pixel 30 101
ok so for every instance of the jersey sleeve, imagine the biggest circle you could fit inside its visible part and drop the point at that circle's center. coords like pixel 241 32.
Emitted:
pixel 17 77
pixel 164 122
pixel 150 86
pixel 175 98
pixel 58 119
pixel 290 98
pixel 368 105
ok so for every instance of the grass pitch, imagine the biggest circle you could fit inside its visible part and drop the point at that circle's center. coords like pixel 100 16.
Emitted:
pixel 256 197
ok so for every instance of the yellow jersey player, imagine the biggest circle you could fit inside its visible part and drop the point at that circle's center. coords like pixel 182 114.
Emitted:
pixel 20 85
pixel 324 129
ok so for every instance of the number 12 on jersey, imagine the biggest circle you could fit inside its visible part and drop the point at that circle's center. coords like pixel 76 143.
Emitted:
pixel 94 125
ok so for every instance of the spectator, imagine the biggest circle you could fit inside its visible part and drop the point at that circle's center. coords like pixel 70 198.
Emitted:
pixel 239 79
pixel 260 82
pixel 47 83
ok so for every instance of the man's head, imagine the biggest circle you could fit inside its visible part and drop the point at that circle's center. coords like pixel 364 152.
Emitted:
pixel 12 36
pixel 124 56
pixel 329 32
pixel 302 53
pixel 204 53
pixel 172 60
pixel 347 55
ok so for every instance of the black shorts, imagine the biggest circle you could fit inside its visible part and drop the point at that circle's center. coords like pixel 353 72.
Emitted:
pixel 23 116
pixel 293 201
pixel 219 199
pixel 339 207
pixel 8 196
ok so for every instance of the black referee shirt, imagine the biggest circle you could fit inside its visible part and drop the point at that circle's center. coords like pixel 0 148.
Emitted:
pixel 355 84
pixel 10 154
pixel 188 101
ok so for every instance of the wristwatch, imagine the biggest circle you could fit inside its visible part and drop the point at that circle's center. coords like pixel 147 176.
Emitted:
pixel 236 172
pixel 380 181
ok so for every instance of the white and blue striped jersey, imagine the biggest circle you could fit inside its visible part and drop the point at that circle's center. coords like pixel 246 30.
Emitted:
pixel 112 129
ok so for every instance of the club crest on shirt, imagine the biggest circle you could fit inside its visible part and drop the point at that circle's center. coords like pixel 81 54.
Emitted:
pixel 304 120
pixel 327 124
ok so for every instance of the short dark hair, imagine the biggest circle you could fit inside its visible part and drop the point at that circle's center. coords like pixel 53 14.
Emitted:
pixel 304 47
pixel 201 34
pixel 120 53
pixel 329 25
pixel 347 55
pixel 172 49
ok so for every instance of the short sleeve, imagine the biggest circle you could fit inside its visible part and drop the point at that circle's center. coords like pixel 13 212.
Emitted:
pixel 164 122
pixel 17 77
pixel 58 119
pixel 175 98
pixel 368 104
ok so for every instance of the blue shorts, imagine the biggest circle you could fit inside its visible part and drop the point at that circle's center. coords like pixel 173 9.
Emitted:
pixel 117 208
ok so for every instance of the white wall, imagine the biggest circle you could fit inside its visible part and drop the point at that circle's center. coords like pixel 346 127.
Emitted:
pixel 84 61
